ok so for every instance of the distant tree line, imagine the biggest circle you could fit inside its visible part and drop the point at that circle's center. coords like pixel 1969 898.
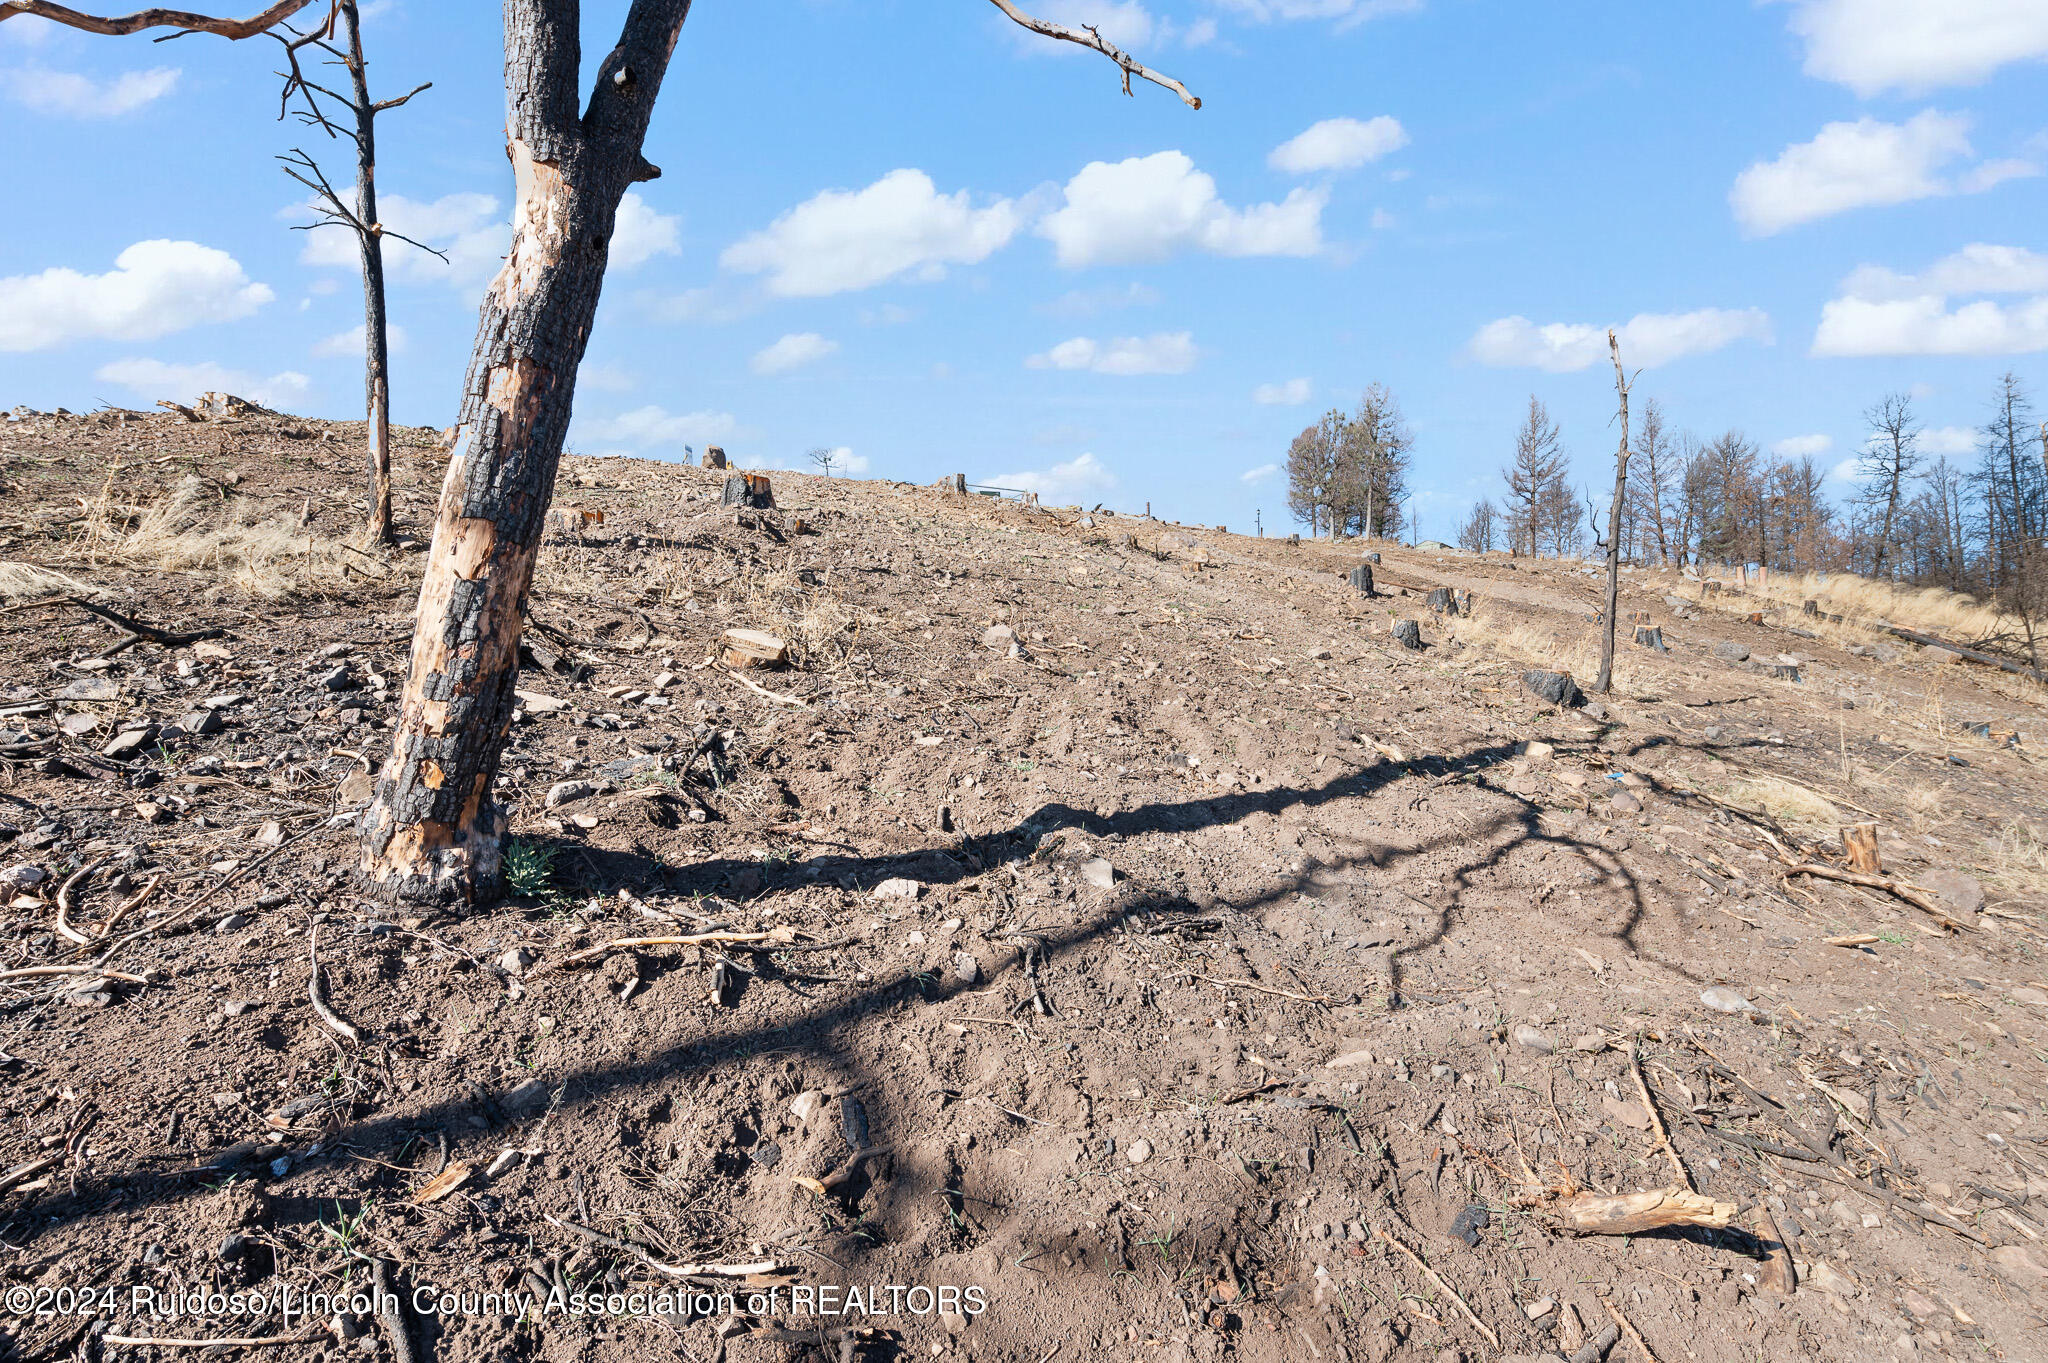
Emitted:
pixel 1918 519
pixel 1347 475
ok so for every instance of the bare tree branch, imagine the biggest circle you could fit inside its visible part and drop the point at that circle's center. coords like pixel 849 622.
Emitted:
pixel 1088 37
pixel 183 20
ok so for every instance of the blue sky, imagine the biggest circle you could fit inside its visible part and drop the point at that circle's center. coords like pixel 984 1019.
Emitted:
pixel 915 232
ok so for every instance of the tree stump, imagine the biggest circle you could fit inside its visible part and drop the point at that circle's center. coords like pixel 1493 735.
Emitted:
pixel 1373 557
pixel 1408 634
pixel 1557 688
pixel 1651 637
pixel 1785 672
pixel 1361 578
pixel 1755 617
pixel 748 489
pixel 1443 601
pixel 1811 607
pixel 1859 840
pixel 953 482
pixel 1294 540
pixel 714 457
pixel 744 648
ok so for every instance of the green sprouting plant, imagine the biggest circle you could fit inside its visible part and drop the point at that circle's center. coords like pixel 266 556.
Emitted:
pixel 1897 939
pixel 529 868
pixel 345 1229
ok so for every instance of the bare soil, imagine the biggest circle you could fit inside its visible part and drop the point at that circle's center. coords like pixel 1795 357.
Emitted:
pixel 1175 964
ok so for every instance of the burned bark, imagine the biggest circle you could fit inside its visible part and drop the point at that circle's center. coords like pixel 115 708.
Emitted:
pixel 433 832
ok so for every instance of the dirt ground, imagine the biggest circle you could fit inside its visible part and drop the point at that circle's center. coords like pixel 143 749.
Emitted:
pixel 1202 974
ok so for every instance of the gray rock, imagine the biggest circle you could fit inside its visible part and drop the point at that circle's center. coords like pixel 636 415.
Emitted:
pixel 23 877
pixel 1731 651
pixel 1097 872
pixel 91 688
pixel 517 961
pixel 234 922
pixel 999 637
pixel 79 725
pixel 1532 1039
pixel 1627 802
pixel 1726 1001
pixel 898 887
pixel 966 969
pixel 338 680
pixel 562 792
pixel 202 723
pixel 1961 894
pixel 1557 688
pixel 128 744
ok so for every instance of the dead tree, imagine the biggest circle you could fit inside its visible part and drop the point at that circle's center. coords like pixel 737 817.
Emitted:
pixel 361 219
pixel 1621 385
pixel 824 457
pixel 433 832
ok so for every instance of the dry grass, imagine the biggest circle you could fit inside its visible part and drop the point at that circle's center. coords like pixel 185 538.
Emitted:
pixel 818 627
pixel 1572 647
pixel 27 582
pixel 1786 801
pixel 2016 861
pixel 194 531
pixel 1930 610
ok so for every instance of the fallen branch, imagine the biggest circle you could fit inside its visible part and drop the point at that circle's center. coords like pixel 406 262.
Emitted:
pixel 1985 659
pixel 1657 1122
pixel 168 638
pixel 1634 1213
pixel 33 971
pixel 761 690
pixel 22 1173
pixel 1912 894
pixel 775 939
pixel 313 990
pixel 1629 1330
pixel 1492 1340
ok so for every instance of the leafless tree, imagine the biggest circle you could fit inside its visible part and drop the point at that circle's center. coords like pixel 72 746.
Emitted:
pixel 824 456
pixel 1621 385
pixel 1534 479
pixel 1315 473
pixel 1890 459
pixel 434 832
pixel 359 126
pixel 1480 529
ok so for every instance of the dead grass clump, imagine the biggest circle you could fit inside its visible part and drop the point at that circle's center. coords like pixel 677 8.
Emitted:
pixel 1786 801
pixel 1575 650
pixel 28 582
pixel 1861 600
pixel 194 531
pixel 2016 861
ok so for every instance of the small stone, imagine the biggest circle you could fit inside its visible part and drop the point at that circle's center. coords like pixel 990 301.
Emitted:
pixel 966 969
pixel 998 637
pixel 235 1008
pixel 1097 872
pixel 1536 750
pixel 1731 651
pixel 202 723
pixel 1624 1113
pixel 1538 1309
pixel 356 789
pixel 234 922
pixel 281 1166
pixel 534 703
pixel 2020 1266
pixel 1626 802
pixel 1726 1001
pixel 128 744
pixel 91 688
pixel 79 725
pixel 807 1105
pixel 1471 1220
pixel 517 961
pixel 1591 1043
pixel 562 792
pixel 897 887
pixel 1139 1152
pixel 1918 1305
pixel 23 877
pixel 1531 1039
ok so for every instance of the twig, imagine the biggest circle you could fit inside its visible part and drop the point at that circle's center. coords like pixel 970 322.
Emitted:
pixel 1629 1330
pixel 1656 1122
pixel 1912 894
pixel 393 1320
pixel 1492 1340
pixel 168 638
pixel 772 940
pixel 133 901
pixel 746 1270
pixel 1087 37
pixel 761 690
pixel 320 1008
pixel 29 971
pixel 71 882
pixel 1265 989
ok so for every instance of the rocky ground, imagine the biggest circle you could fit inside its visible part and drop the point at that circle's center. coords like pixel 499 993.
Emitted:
pixel 1197 972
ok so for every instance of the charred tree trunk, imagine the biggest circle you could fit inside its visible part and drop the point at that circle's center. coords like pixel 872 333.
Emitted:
pixel 1614 528
pixel 433 832
pixel 376 347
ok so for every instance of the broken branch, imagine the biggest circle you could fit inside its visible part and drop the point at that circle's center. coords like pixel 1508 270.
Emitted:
pixel 1088 37
pixel 180 19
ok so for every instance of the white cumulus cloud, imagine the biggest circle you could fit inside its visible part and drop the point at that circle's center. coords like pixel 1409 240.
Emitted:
pixel 651 426
pixel 1259 474
pixel 1292 393
pixel 841 240
pixel 639 234
pixel 1878 311
pixel 1164 352
pixel 67 94
pixel 350 342
pixel 155 379
pixel 1873 46
pixel 793 351
pixel 470 229
pixel 1338 144
pixel 1863 164
pixel 154 289
pixel 1147 208
pixel 1948 440
pixel 1647 340
pixel 1077 479
pixel 1346 13
pixel 1801 446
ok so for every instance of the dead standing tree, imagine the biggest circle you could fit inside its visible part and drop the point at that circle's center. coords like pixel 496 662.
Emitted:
pixel 1621 386
pixel 361 218
pixel 433 833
